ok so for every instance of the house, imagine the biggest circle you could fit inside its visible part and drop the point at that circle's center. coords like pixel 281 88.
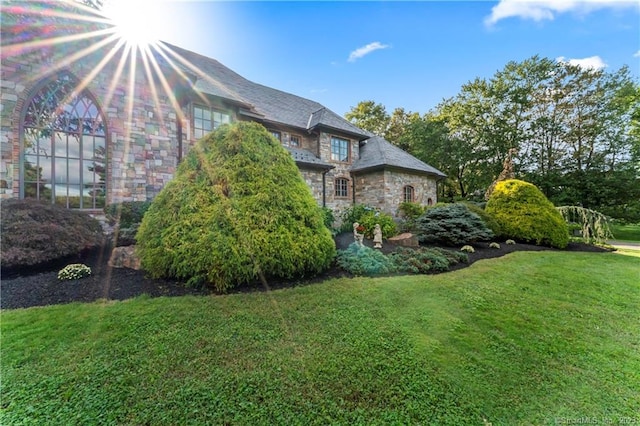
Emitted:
pixel 87 120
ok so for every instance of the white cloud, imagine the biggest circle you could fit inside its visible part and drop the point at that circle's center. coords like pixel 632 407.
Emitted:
pixel 637 54
pixel 539 10
pixel 365 50
pixel 592 62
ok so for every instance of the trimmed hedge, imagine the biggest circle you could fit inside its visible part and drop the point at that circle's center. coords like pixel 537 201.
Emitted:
pixel 237 210
pixel 525 214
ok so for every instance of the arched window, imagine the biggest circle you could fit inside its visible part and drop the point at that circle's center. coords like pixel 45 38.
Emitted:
pixel 341 188
pixel 409 194
pixel 64 147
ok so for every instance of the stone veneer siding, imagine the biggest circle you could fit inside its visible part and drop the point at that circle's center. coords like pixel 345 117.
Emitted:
pixel 141 143
pixel 384 189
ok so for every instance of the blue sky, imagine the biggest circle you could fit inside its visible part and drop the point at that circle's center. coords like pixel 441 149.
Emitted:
pixel 400 54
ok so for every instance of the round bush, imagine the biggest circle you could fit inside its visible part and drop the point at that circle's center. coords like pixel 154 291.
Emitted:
pixel 237 210
pixel 34 232
pixel 524 213
pixel 451 224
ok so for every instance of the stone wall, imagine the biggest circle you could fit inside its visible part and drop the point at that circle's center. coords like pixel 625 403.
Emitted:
pixel 141 127
pixel 384 189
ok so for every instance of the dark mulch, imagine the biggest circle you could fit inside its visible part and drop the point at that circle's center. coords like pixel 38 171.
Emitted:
pixel 40 286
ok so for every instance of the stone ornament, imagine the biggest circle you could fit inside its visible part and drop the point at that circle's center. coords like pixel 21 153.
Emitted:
pixel 377 236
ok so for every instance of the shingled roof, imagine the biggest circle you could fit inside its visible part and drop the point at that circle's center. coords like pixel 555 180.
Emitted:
pixel 378 153
pixel 272 105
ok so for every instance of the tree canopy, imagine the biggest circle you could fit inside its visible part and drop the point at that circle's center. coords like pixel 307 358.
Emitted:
pixel 576 132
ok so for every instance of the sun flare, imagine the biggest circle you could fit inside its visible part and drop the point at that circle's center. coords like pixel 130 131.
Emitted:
pixel 135 21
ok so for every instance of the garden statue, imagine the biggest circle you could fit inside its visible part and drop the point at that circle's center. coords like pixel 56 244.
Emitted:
pixel 358 233
pixel 377 236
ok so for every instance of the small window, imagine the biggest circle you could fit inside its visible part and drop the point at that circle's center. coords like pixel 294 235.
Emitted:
pixel 409 194
pixel 294 141
pixel 342 188
pixel 339 149
pixel 205 120
pixel 276 135
pixel 430 201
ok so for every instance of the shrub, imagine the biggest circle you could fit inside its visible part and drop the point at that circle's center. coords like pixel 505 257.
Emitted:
pixel 410 211
pixel 451 224
pixel 486 217
pixel 329 218
pixel 494 245
pixel 510 242
pixel 75 271
pixel 127 213
pixel 468 249
pixel 424 260
pixel 362 260
pixel 126 216
pixel 34 232
pixel 524 213
pixel 592 225
pixel 368 217
pixel 237 210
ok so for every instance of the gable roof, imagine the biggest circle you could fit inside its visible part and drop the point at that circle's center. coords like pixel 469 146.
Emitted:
pixel 377 153
pixel 259 101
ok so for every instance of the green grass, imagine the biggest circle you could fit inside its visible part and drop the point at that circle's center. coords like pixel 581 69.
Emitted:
pixel 531 338
pixel 626 232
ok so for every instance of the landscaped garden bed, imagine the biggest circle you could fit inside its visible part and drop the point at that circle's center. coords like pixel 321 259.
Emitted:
pixel 27 287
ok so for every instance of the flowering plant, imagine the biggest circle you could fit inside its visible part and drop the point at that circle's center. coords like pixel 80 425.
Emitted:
pixel 74 271
pixel 360 229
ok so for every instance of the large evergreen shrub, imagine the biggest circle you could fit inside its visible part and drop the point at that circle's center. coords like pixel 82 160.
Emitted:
pixel 451 224
pixel 524 213
pixel 237 209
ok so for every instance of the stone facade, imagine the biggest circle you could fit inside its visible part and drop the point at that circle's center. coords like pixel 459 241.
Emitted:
pixel 384 189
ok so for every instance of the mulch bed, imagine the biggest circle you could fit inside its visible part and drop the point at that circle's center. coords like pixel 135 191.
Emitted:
pixel 40 286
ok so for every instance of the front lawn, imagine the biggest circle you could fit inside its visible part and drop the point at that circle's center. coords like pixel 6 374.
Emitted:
pixel 531 338
pixel 630 232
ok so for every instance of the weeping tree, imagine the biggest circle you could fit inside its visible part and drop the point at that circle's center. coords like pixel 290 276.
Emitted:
pixel 594 225
pixel 237 211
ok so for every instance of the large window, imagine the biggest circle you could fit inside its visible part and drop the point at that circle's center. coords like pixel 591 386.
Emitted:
pixel 409 194
pixel 341 188
pixel 206 119
pixel 64 147
pixel 339 149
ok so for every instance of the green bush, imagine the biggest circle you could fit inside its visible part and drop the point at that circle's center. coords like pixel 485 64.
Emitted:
pixel 368 217
pixel 363 260
pixel 126 217
pixel 424 260
pixel 410 211
pixel 237 210
pixel 451 224
pixel 34 232
pixel 524 213
pixel 127 213
pixel 486 217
